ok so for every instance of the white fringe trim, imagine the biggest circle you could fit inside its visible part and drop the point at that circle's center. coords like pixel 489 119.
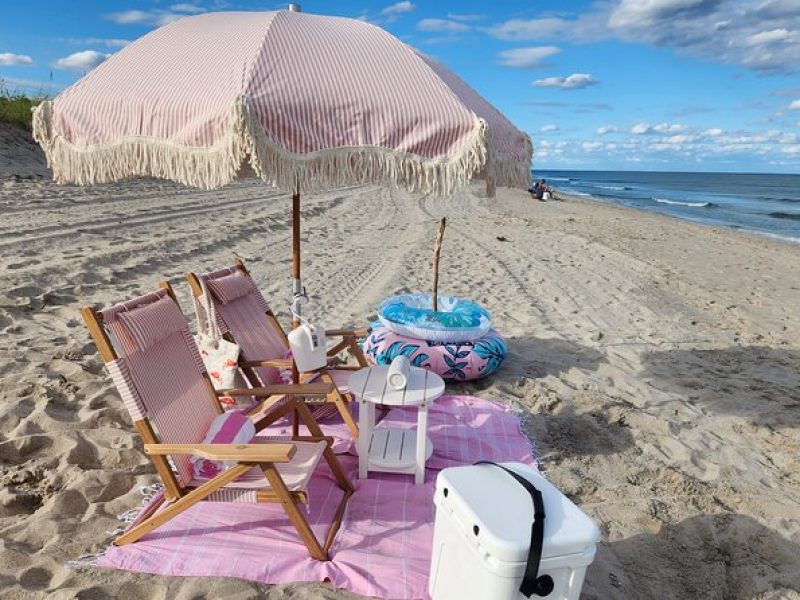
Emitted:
pixel 247 143
pixel 90 560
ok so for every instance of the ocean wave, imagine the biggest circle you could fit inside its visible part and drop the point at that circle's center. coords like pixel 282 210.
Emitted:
pixel 783 215
pixel 777 236
pixel 616 188
pixel 690 204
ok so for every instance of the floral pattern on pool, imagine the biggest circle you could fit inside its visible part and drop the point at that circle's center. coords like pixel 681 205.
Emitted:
pixel 463 361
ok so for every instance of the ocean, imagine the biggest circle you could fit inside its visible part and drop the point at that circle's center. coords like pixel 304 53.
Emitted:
pixel 762 204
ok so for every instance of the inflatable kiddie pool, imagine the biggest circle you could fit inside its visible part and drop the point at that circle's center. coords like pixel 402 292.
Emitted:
pixel 457 320
pixel 456 342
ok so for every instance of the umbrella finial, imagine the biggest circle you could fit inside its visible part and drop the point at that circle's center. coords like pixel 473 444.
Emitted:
pixel 295 7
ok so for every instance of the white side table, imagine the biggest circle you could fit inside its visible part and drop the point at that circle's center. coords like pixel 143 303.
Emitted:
pixel 394 450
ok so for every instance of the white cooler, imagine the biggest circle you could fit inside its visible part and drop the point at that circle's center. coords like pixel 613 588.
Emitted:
pixel 482 535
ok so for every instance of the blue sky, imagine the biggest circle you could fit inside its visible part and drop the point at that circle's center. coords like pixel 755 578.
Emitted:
pixel 698 85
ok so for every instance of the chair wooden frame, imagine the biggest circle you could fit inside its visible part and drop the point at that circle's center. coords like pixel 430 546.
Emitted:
pixel 265 456
pixel 348 342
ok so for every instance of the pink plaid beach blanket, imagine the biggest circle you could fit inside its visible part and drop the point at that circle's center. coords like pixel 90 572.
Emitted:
pixel 383 548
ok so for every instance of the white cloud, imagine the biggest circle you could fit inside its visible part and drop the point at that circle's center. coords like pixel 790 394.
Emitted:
pixel 679 139
pixel 778 8
pixel 762 36
pixel 137 17
pixel 646 128
pixel 592 146
pixel 93 41
pixel 638 13
pixel 549 128
pixel 442 25
pixel 527 58
pixel 795 105
pixel 7 59
pixel 668 128
pixel 528 29
pixel 399 8
pixel 572 82
pixel 191 9
pixel 606 129
pixel 768 37
pixel 156 17
pixel 457 17
pixel 715 132
pixel 85 60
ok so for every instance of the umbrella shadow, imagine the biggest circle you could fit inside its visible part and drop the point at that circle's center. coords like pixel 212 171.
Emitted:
pixel 566 432
pixel 572 434
pixel 758 383
pixel 539 357
pixel 728 555
pixel 535 358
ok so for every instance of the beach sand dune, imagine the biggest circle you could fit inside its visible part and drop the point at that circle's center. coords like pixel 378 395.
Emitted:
pixel 656 362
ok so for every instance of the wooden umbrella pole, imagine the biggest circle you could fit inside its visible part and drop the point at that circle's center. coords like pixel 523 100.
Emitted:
pixel 296 283
pixel 297 287
pixel 437 249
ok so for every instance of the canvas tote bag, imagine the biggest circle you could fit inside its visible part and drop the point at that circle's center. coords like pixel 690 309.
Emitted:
pixel 219 355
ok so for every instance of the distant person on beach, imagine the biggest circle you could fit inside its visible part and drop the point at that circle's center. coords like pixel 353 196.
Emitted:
pixel 543 192
pixel 536 191
pixel 547 193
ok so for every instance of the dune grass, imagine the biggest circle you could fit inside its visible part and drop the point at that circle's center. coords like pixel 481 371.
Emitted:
pixel 15 107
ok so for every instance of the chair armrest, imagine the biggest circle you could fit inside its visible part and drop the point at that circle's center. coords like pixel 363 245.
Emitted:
pixel 304 389
pixel 256 453
pixel 348 332
pixel 278 363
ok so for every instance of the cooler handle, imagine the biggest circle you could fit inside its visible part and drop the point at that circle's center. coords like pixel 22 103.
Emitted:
pixel 532 583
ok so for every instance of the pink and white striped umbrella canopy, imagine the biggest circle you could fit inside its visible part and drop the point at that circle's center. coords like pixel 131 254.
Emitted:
pixel 306 102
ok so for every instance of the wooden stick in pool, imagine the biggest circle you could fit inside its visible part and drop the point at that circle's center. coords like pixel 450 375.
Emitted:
pixel 437 249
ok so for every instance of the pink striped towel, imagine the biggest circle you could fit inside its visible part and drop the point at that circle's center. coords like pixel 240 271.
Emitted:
pixel 227 428
pixel 384 546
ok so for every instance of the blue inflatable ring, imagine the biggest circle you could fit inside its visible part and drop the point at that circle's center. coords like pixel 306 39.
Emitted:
pixel 457 320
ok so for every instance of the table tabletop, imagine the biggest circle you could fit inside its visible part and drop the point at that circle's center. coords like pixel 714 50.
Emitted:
pixel 371 385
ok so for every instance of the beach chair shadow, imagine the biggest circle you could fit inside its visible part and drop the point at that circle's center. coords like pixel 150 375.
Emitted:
pixel 248 320
pixel 725 555
pixel 758 383
pixel 153 360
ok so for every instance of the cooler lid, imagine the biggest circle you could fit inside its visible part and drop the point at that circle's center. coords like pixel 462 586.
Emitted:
pixel 502 509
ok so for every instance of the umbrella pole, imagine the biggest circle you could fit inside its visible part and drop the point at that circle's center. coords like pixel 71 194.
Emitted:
pixel 297 289
pixel 297 284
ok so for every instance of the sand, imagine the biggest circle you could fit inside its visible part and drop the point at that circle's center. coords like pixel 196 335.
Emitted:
pixel 657 363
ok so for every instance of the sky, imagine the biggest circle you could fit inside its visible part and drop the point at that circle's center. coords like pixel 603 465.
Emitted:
pixel 664 85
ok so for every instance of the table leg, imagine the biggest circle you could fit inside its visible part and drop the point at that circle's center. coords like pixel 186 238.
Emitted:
pixel 422 438
pixel 366 423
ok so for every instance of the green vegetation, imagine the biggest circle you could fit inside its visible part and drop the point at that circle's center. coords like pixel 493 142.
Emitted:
pixel 15 107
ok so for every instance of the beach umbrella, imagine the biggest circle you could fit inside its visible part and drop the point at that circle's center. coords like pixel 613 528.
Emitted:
pixel 304 102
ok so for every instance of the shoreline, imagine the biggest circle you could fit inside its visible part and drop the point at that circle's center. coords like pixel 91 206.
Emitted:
pixel 710 226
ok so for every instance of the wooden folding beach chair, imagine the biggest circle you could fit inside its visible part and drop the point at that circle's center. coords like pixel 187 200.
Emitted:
pixel 243 316
pixel 153 360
